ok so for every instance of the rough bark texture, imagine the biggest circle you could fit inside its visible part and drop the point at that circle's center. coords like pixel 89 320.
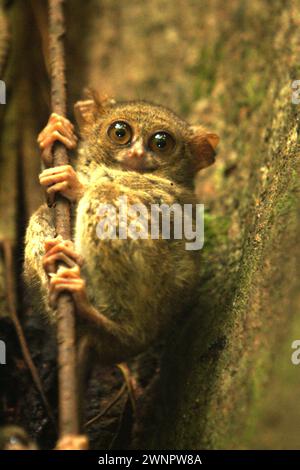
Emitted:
pixel 229 66
pixel 66 322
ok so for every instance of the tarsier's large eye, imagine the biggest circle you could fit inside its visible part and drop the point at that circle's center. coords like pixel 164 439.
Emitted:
pixel 120 132
pixel 161 142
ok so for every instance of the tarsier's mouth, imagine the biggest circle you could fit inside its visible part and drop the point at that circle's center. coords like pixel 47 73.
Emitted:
pixel 138 164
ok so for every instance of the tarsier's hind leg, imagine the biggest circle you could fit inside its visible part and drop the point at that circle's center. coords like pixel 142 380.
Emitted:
pixel 69 278
pixel 41 227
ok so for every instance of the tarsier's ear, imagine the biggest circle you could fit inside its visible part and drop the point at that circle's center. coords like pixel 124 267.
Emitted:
pixel 87 110
pixel 203 146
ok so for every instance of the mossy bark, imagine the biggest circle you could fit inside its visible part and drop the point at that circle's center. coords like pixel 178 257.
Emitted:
pixel 229 66
pixel 217 369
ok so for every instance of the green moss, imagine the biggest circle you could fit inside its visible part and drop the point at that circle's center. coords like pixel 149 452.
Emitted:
pixel 216 370
pixel 205 70
pixel 216 230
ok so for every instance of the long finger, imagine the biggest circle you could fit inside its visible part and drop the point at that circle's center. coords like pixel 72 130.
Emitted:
pixel 68 251
pixel 53 259
pixel 58 187
pixel 56 135
pixel 50 179
pixel 49 242
pixel 55 169
pixel 56 126
pixel 64 273
pixel 54 117
pixel 70 287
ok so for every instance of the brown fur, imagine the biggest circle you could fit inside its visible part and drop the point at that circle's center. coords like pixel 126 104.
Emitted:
pixel 138 284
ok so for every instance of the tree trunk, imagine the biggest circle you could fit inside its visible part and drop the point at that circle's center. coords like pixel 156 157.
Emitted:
pixel 228 66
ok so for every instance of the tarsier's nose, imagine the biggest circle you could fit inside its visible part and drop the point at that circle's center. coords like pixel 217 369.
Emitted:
pixel 137 149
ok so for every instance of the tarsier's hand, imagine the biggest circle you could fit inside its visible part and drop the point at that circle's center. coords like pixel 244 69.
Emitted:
pixel 62 178
pixel 65 278
pixel 60 129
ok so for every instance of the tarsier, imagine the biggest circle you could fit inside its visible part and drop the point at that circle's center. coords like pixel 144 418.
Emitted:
pixel 125 291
